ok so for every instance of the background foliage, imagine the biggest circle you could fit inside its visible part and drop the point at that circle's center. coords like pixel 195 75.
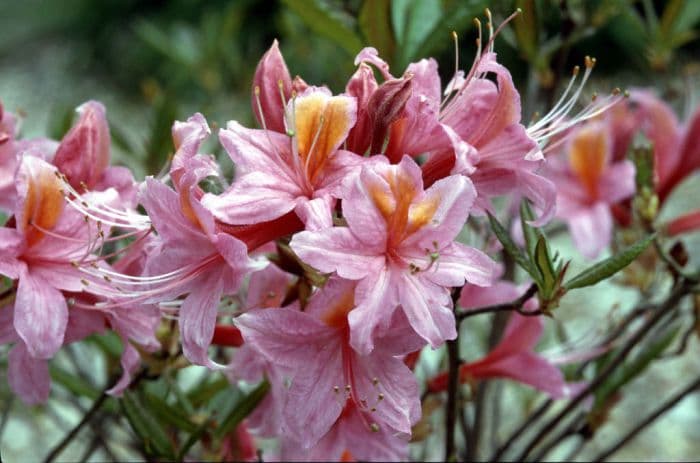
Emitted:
pixel 152 62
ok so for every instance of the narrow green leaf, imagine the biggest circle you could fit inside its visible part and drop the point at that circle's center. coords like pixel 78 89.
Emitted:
pixel 169 414
pixel 193 439
pixel 608 267
pixel 545 266
pixel 73 383
pixel 513 249
pixel 375 24
pixel 330 23
pixel 146 426
pixel 242 409
pixel 530 233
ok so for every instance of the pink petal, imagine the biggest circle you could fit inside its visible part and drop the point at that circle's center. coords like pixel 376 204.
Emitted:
pixel 28 376
pixel 256 197
pixel 617 182
pixel 376 301
pixel 371 55
pixel 270 72
pixel 427 307
pixel 591 229
pixel 197 319
pixel 458 263
pixel 83 154
pixel 454 197
pixel 316 214
pixel 337 250
pixel 258 151
pixel 41 315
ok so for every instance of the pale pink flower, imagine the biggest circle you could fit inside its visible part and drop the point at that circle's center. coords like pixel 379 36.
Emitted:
pixel 588 183
pixel 312 348
pixel 399 245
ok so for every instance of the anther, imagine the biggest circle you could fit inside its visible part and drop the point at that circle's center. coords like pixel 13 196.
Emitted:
pixel 375 381
pixel 84 282
pixel 336 389
pixel 374 427
pixel 576 70
pixel 380 397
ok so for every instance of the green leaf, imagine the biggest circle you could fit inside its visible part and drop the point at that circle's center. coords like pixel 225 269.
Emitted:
pixel 169 414
pixel 146 426
pixel 609 266
pixel 73 383
pixel 414 21
pixel 545 266
pixel 330 23
pixel 375 24
pixel 513 249
pixel 242 409
pixel 530 233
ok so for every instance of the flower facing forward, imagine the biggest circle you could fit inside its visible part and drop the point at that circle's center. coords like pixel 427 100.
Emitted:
pixel 399 245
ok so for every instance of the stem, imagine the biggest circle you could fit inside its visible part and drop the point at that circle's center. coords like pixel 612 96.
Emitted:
pixel 521 429
pixel 74 432
pixel 668 305
pixel 452 388
pixel 669 404
pixel 516 305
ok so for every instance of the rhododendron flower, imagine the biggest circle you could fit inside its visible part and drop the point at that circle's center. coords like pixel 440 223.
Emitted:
pixel 349 439
pixel 300 168
pixel 588 183
pixel 399 245
pixel 327 375
pixel 475 130
pixel 514 357
pixel 199 260
pixel 48 238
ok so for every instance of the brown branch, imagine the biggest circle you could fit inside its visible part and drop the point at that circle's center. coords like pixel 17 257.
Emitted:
pixel 452 388
pixel 669 404
pixel 516 305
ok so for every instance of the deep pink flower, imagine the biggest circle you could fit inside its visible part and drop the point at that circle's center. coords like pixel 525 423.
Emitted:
pixel 399 245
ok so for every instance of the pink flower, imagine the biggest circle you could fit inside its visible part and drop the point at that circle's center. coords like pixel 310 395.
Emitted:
pixel 475 130
pixel 588 183
pixel 313 349
pixel 399 245
pixel 295 166
pixel 349 439
pixel 47 238
pixel 514 357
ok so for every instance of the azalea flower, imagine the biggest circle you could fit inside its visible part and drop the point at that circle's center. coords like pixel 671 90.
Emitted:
pixel 588 183
pixel 328 378
pixel 399 246
pixel 298 167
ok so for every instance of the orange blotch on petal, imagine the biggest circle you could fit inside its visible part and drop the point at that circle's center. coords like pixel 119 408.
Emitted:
pixel 322 123
pixel 337 314
pixel 588 156
pixel 43 204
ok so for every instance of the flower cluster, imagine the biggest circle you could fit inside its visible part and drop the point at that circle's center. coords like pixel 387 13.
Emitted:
pixel 338 245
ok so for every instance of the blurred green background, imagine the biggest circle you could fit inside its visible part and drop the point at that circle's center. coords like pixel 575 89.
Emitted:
pixel 152 62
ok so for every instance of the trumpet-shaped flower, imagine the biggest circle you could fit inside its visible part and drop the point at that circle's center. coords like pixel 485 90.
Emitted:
pixel 588 183
pixel 40 251
pixel 327 375
pixel 399 245
pixel 298 167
